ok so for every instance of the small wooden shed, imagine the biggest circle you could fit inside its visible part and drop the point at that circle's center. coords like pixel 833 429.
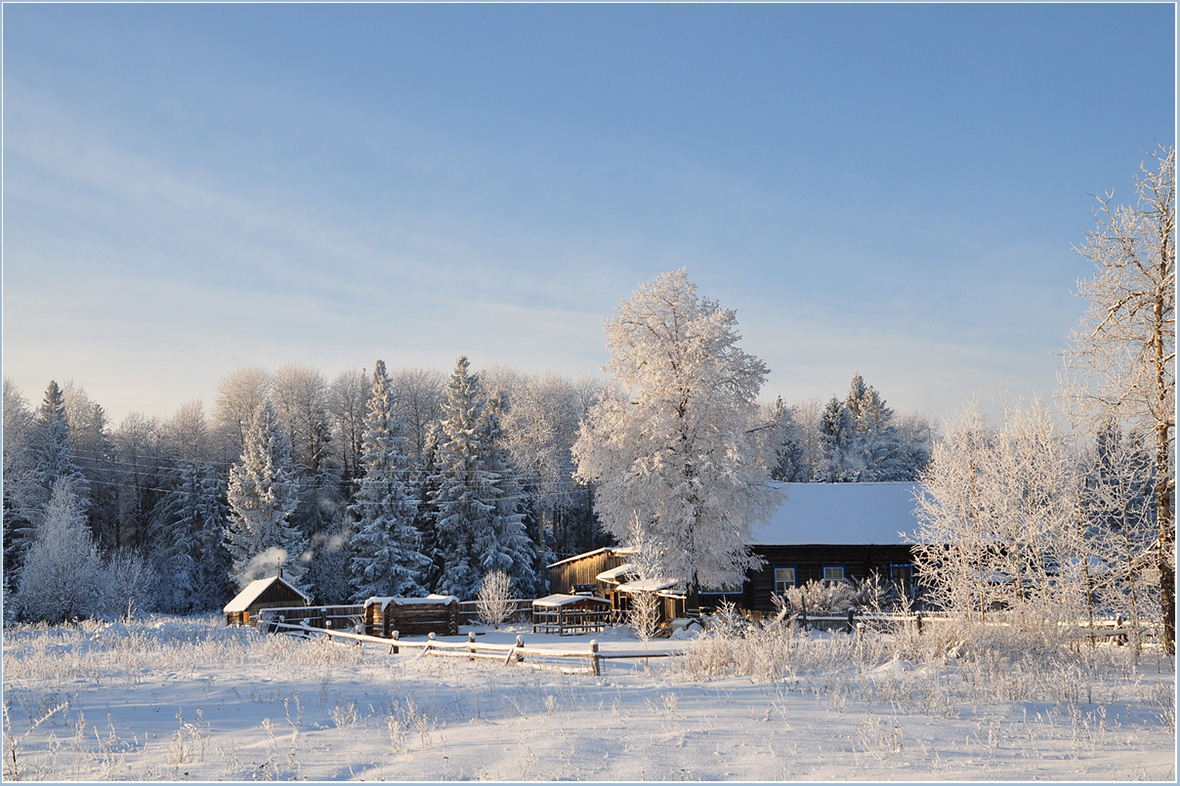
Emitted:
pixel 583 569
pixel 274 592
pixel 438 614
pixel 570 614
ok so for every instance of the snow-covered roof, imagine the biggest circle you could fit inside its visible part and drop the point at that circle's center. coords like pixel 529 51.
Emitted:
pixel 622 550
pixel 567 600
pixel 647 585
pixel 841 514
pixel 253 591
pixel 614 574
pixel 386 601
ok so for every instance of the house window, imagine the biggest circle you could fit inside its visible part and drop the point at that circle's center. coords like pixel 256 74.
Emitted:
pixel 903 579
pixel 833 573
pixel 784 578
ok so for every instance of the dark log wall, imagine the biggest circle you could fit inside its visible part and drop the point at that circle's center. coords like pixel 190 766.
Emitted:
pixel 859 563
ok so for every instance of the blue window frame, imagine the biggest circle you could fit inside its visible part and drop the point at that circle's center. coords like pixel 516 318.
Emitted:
pixel 785 577
pixel 834 573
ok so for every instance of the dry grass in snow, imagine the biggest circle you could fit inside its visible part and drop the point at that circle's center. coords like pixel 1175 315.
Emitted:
pixel 187 699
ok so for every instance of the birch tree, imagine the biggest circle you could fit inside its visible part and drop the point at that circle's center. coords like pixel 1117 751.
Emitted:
pixel 1122 360
pixel 676 453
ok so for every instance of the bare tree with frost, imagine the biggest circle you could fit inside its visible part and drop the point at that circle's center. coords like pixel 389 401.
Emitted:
pixel 1122 362
pixel 676 452
pixel 998 520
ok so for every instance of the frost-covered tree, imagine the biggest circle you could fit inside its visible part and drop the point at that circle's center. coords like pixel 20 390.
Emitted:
pixel 464 485
pixel 347 403
pixel 419 394
pixel 23 494
pixel 998 520
pixel 262 494
pixel 193 561
pixel 506 544
pixel 62 575
pixel 1122 359
pixel 426 483
pixel 841 461
pixel 1118 520
pixel 386 552
pixel 239 395
pixel 676 453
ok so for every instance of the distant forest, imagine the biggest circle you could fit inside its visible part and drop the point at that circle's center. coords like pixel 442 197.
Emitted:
pixel 146 511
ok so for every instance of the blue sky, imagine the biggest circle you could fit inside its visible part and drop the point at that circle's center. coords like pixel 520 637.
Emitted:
pixel 883 189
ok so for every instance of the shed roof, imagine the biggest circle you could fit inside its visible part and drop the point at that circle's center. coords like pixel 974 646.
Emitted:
pixel 841 514
pixel 620 550
pixel 616 573
pixel 386 601
pixel 567 600
pixel 253 591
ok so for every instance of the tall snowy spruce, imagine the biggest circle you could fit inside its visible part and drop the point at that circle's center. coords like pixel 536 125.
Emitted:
pixel 262 494
pixel 676 455
pixel 386 552
pixel 506 546
pixel 479 526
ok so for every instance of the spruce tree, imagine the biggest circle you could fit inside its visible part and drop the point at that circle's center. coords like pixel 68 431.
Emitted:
pixel 262 494
pixel 464 485
pixel 386 555
pixel 505 546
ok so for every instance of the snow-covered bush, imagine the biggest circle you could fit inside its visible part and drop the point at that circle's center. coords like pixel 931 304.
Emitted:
pixel 130 586
pixel 494 600
pixel 819 597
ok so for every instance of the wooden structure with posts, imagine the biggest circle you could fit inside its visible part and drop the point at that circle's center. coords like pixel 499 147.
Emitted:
pixel 568 614
pixel 412 616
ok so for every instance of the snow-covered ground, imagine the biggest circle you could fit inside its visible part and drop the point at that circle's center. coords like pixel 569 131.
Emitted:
pixel 171 698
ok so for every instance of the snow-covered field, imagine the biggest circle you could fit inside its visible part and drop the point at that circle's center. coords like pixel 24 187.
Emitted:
pixel 173 698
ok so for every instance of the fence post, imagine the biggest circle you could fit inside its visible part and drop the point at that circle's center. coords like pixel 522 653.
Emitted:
pixel 918 619
pixel 594 657
pixel 471 645
pixel 860 632
pixel 851 622
pixel 393 648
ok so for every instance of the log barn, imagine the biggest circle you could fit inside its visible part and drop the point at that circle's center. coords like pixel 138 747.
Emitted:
pixel 438 614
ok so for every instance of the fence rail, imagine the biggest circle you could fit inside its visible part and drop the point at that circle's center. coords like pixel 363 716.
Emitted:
pixel 471 649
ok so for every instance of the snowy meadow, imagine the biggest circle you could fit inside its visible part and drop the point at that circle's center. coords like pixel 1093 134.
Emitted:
pixel 174 698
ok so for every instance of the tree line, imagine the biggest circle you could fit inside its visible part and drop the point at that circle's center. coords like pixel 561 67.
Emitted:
pixel 376 482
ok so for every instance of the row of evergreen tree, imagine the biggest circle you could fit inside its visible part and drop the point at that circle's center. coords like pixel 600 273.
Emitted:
pixel 857 439
pixel 374 484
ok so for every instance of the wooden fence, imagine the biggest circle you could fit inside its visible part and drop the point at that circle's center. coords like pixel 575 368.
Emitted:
pixel 472 649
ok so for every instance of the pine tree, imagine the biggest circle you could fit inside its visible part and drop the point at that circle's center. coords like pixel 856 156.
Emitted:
pixel 387 559
pixel 262 494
